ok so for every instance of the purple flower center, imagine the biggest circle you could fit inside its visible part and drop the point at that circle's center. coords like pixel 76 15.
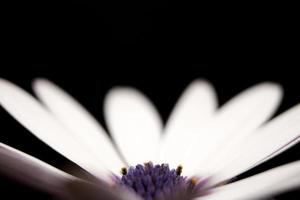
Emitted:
pixel 154 182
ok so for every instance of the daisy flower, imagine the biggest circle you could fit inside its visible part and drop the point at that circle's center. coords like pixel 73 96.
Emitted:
pixel 195 155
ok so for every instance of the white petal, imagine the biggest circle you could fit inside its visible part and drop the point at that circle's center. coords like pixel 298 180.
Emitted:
pixel 279 151
pixel 29 170
pixel 194 108
pixel 271 139
pixel 31 114
pixel 266 184
pixel 79 121
pixel 233 122
pixel 134 124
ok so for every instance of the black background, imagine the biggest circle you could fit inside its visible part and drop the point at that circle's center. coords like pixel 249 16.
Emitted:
pixel 157 46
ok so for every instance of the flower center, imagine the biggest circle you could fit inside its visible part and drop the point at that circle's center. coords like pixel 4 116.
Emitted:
pixel 154 182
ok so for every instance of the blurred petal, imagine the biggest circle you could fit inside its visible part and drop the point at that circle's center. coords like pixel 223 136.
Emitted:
pixel 194 108
pixel 233 122
pixel 275 137
pixel 31 171
pixel 266 184
pixel 80 190
pixel 80 123
pixel 32 115
pixel 134 124
pixel 280 150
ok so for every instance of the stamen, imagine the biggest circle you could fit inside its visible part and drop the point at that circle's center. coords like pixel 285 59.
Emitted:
pixel 179 170
pixel 156 181
pixel 194 180
pixel 123 171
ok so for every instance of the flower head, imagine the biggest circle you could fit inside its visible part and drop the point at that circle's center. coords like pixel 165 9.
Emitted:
pixel 196 154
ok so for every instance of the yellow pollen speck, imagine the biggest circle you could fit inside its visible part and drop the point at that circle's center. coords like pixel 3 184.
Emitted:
pixel 194 180
pixel 179 170
pixel 123 170
pixel 147 163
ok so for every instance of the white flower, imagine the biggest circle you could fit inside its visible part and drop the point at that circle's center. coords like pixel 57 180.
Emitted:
pixel 211 144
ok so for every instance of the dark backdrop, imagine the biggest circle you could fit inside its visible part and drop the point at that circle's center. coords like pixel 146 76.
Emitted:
pixel 157 46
